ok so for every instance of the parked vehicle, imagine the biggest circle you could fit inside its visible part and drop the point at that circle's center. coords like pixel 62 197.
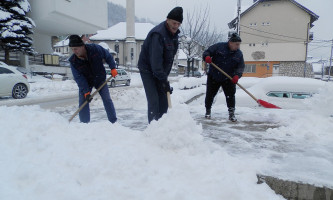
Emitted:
pixel 123 77
pixel 285 92
pixel 13 82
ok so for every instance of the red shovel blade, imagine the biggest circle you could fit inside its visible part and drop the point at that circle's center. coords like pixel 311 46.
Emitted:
pixel 267 105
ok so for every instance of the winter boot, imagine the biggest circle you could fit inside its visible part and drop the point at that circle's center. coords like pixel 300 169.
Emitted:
pixel 232 115
pixel 208 115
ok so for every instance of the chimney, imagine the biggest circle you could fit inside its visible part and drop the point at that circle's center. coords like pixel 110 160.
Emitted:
pixel 130 18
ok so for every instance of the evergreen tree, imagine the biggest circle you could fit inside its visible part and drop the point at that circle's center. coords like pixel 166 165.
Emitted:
pixel 15 27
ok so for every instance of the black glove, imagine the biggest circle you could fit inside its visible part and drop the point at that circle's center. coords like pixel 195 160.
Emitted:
pixel 88 97
pixel 166 87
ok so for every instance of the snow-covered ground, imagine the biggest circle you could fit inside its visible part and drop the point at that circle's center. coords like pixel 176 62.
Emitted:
pixel 182 156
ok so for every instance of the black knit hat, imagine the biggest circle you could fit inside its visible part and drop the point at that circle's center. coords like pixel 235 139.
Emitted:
pixel 235 38
pixel 176 14
pixel 75 41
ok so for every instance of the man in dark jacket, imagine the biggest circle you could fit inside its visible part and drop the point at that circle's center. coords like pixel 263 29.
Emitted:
pixel 155 62
pixel 88 71
pixel 228 57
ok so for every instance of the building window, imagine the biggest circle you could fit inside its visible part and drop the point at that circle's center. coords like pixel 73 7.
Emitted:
pixel 250 44
pixel 250 68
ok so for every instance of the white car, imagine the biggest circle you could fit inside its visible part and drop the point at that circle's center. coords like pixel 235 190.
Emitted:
pixel 13 82
pixel 122 78
pixel 285 92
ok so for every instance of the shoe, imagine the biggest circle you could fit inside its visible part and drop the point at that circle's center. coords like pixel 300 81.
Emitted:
pixel 208 114
pixel 232 116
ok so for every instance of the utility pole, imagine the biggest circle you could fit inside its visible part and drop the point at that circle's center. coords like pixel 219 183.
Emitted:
pixel 330 67
pixel 238 16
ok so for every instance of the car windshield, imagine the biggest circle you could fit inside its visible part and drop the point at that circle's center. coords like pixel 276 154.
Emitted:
pixel 279 94
pixel 301 95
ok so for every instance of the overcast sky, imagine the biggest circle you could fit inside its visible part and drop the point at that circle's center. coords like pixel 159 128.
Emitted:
pixel 223 11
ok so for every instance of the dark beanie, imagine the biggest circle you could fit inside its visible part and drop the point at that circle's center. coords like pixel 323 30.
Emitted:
pixel 176 14
pixel 235 38
pixel 75 41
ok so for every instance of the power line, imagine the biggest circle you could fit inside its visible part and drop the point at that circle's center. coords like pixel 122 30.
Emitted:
pixel 272 37
pixel 280 35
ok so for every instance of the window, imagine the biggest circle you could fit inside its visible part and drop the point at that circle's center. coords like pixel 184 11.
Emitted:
pixel 279 94
pixel 301 95
pixel 5 71
pixel 250 68
pixel 250 44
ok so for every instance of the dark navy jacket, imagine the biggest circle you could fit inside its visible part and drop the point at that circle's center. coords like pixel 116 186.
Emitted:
pixel 232 62
pixel 158 51
pixel 91 73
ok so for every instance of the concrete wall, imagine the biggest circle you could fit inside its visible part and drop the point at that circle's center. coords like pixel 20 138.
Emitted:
pixel 280 18
pixel 296 69
pixel 64 17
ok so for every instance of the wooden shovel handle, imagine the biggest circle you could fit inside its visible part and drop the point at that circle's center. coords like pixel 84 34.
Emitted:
pixel 227 75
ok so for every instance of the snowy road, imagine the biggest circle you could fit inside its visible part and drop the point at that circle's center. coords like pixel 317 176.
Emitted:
pixel 283 143
pixel 285 156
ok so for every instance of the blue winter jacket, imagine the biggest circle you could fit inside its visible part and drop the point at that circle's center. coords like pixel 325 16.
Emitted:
pixel 158 51
pixel 232 62
pixel 91 73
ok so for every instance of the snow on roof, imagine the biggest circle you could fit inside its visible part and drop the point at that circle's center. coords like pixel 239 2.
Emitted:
pixel 62 43
pixel 106 46
pixel 118 32
pixel 181 55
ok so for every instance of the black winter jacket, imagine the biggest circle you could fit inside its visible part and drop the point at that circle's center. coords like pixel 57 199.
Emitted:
pixel 158 51
pixel 232 62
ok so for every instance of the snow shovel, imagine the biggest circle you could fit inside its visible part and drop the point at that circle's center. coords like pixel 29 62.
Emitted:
pixel 259 101
pixel 169 100
pixel 85 103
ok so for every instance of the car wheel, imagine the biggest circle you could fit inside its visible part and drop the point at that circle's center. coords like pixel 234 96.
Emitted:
pixel 113 84
pixel 128 82
pixel 20 91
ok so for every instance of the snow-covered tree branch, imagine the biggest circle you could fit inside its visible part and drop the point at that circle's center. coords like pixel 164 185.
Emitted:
pixel 15 27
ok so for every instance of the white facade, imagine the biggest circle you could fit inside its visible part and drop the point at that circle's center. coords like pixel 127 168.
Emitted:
pixel 64 17
pixel 277 30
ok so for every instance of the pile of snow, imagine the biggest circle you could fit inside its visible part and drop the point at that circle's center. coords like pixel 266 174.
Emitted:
pixel 51 88
pixel 169 160
pixel 191 82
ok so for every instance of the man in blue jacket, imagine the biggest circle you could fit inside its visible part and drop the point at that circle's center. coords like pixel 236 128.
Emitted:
pixel 228 57
pixel 88 71
pixel 155 62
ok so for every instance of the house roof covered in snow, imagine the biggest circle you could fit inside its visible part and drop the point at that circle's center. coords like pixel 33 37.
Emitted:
pixel 118 32
pixel 314 17
pixel 62 43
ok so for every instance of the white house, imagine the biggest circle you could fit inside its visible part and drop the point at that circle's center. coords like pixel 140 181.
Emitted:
pixel 117 34
pixel 275 36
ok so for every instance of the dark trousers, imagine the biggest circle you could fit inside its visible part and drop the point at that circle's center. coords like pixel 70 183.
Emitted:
pixel 108 105
pixel 156 97
pixel 213 87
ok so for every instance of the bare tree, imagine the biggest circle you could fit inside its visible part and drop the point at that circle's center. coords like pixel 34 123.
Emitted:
pixel 197 35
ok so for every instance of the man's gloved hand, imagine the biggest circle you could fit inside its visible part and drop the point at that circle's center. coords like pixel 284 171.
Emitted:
pixel 235 79
pixel 114 72
pixel 166 87
pixel 88 97
pixel 208 59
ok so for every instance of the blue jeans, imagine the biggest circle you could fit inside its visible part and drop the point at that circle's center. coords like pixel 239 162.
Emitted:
pixel 108 105
pixel 156 96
